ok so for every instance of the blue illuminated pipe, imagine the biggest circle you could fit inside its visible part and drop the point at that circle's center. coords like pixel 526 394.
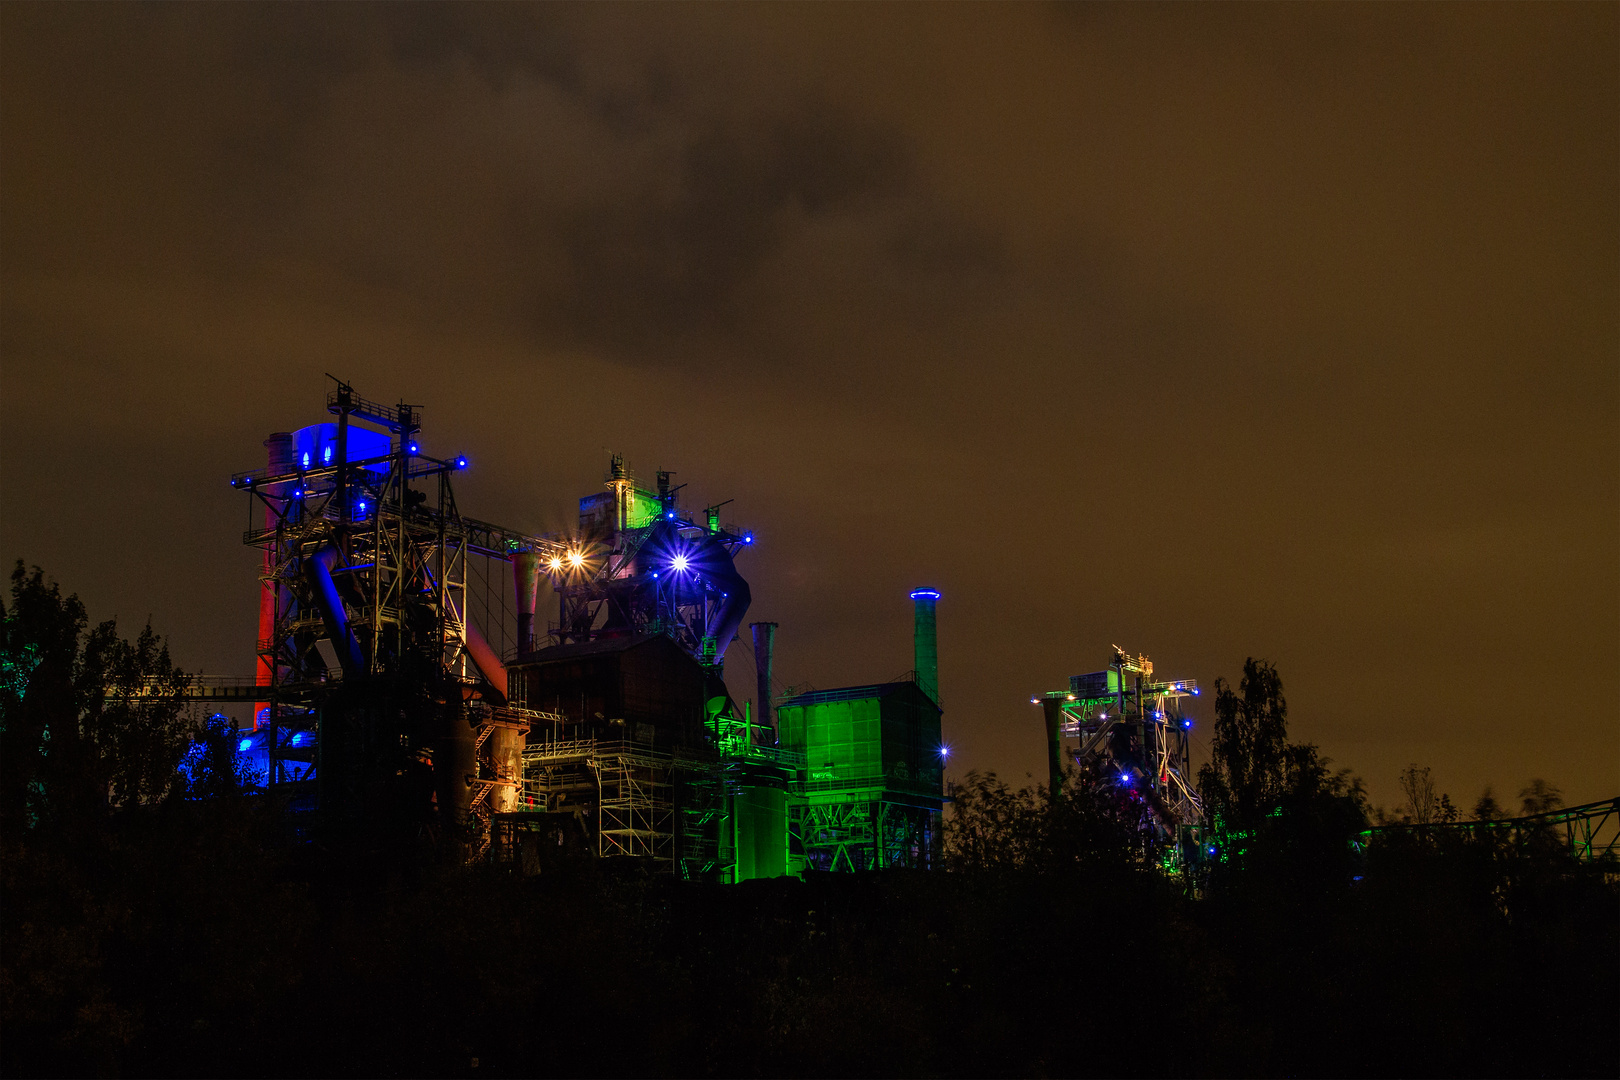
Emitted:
pixel 711 559
pixel 318 570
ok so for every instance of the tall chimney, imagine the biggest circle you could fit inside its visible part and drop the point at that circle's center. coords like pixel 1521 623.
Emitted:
pixel 1052 708
pixel 764 645
pixel 526 580
pixel 926 642
pixel 279 458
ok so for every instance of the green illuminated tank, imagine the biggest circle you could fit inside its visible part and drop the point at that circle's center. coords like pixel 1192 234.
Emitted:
pixel 873 781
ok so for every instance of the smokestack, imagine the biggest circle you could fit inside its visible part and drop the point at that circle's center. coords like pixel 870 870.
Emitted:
pixel 1053 709
pixel 926 642
pixel 526 579
pixel 764 645
pixel 279 458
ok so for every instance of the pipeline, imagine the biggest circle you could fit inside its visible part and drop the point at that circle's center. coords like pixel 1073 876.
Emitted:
pixel 526 582
pixel 764 643
pixel 318 570
pixel 489 665
pixel 713 561
pixel 1053 710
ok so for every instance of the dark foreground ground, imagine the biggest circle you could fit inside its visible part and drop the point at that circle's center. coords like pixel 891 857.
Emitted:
pixel 168 949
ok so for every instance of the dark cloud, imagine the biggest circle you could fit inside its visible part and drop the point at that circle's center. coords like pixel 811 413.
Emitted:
pixel 1210 331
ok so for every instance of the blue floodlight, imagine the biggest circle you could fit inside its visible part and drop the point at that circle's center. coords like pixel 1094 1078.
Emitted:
pixel 304 460
pixel 362 506
pixel 1212 849
pixel 944 752
pixel 461 463
pixel 1186 723
pixel 678 563
pixel 1125 778
pixel 244 746
pixel 298 737
pixel 413 449
pixel 670 515
pixel 748 538
pixel 326 455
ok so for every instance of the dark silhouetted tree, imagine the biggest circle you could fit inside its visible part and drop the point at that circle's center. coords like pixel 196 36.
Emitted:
pixel 992 827
pixel 1273 804
pixel 1486 808
pixel 1540 797
pixel 213 766
pixel 89 722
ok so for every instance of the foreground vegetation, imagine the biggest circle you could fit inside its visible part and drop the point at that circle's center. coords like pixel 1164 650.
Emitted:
pixel 148 933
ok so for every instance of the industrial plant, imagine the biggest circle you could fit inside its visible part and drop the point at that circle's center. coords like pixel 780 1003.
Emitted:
pixel 1119 728
pixel 430 678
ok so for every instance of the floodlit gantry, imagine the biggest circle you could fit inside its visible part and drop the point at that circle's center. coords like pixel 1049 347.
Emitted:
pixel 1121 728
pixel 371 671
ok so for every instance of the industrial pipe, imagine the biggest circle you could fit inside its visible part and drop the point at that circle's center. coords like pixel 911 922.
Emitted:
pixel 318 570
pixel 714 562
pixel 925 642
pixel 279 457
pixel 1053 708
pixel 489 665
pixel 506 754
pixel 526 581
pixel 764 644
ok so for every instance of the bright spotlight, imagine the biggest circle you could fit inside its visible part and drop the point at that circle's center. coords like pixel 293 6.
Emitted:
pixel 748 538
pixel 575 559
pixel 461 463
pixel 678 563
pixel 555 563
pixel 413 449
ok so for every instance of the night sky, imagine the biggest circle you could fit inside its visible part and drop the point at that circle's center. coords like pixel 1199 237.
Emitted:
pixel 1207 331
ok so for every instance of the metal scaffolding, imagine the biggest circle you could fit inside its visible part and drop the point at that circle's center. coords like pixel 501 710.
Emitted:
pixel 366 561
pixel 1128 731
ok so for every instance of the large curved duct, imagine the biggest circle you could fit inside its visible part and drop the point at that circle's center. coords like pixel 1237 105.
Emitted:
pixel 713 561
pixel 489 665
pixel 318 570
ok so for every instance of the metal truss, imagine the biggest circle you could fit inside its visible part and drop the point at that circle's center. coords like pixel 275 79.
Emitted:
pixel 1590 833
pixel 867 832
pixel 1127 730
pixel 366 563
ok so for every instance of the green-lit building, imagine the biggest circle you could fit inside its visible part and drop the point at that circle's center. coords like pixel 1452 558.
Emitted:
pixel 873 780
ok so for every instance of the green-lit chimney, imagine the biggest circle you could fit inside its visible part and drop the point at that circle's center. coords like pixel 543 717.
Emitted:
pixel 926 642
